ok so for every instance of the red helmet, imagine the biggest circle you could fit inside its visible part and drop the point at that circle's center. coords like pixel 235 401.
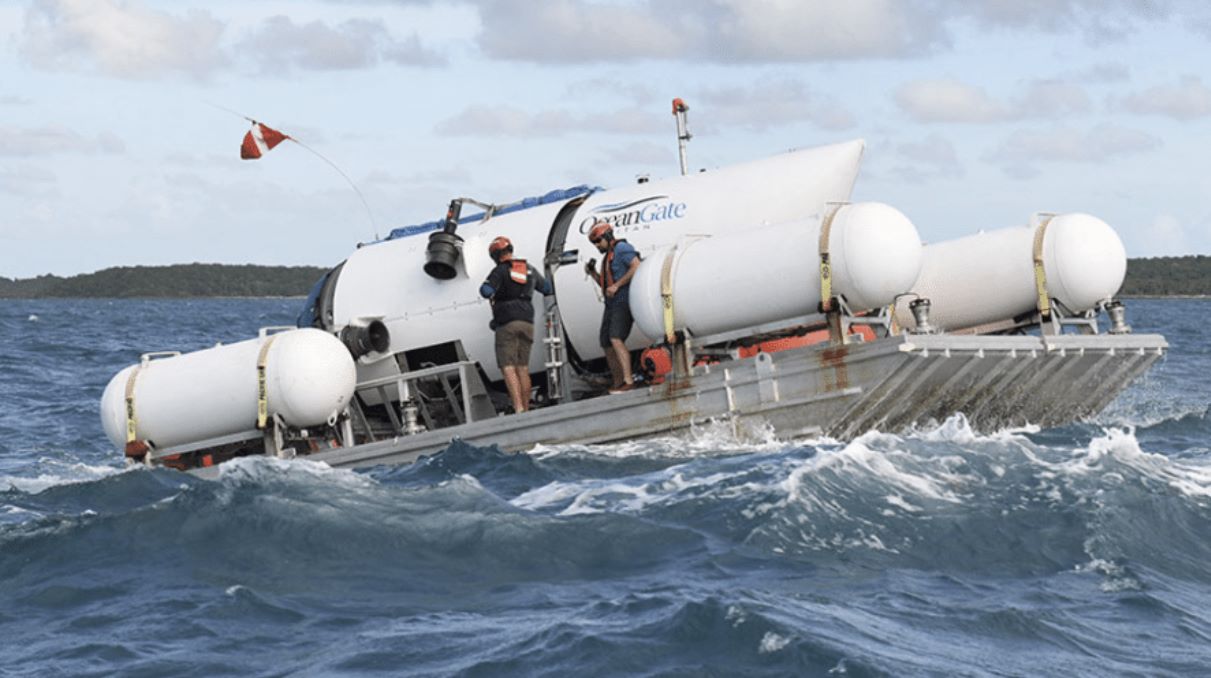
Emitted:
pixel 500 245
pixel 601 229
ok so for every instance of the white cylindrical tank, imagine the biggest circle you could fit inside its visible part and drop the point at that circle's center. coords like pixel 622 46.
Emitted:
pixel 989 277
pixel 745 279
pixel 309 377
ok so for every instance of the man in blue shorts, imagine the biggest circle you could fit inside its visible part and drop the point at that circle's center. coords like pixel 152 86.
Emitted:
pixel 617 268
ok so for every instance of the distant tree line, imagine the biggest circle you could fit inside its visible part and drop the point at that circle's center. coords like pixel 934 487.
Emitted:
pixel 1159 276
pixel 181 280
pixel 1168 276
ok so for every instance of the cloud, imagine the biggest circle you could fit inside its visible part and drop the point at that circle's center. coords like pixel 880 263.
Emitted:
pixel 1104 73
pixel 1019 153
pixel 508 121
pixel 13 100
pixel 279 45
pixel 748 31
pixel 773 104
pixel 643 153
pixel 716 30
pixel 932 157
pixel 949 101
pixel 952 101
pixel 1187 100
pixel 56 139
pixel 1097 20
pixel 26 180
pixel 126 40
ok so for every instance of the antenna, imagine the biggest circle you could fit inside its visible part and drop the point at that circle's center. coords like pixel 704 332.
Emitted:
pixel 683 132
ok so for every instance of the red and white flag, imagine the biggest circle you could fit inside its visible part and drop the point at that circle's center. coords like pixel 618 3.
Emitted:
pixel 259 141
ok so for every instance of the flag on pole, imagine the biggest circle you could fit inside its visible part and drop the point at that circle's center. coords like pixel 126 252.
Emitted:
pixel 259 141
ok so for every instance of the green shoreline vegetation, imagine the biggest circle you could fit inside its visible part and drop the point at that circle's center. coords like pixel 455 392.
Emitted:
pixel 1188 276
pixel 176 281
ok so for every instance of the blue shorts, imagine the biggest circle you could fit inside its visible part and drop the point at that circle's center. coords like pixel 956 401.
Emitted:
pixel 616 323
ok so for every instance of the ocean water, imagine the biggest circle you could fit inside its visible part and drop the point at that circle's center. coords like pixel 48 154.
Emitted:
pixel 1076 551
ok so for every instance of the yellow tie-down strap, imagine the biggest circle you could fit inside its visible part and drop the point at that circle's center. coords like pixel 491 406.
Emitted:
pixel 262 390
pixel 666 294
pixel 1040 275
pixel 826 266
pixel 132 423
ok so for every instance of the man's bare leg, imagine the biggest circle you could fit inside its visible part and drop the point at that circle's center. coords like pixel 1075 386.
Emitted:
pixel 623 357
pixel 615 366
pixel 523 374
pixel 513 383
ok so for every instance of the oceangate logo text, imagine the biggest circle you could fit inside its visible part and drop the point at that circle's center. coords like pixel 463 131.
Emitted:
pixel 635 214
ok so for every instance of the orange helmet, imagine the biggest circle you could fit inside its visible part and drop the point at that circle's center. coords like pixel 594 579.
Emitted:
pixel 601 229
pixel 500 245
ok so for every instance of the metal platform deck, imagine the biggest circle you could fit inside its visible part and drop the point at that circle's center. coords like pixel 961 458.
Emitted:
pixel 840 391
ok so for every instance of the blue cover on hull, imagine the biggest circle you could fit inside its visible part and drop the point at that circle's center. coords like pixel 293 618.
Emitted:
pixel 558 195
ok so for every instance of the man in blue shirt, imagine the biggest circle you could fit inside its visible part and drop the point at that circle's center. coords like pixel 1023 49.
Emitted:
pixel 510 287
pixel 617 268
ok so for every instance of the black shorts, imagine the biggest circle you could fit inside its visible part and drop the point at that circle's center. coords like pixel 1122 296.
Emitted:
pixel 616 323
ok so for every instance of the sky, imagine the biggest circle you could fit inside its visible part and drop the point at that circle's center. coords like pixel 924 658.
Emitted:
pixel 120 120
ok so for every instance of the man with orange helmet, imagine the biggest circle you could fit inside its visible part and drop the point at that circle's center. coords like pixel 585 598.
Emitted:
pixel 510 287
pixel 617 268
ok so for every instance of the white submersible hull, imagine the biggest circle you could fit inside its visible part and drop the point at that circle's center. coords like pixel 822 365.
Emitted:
pixel 764 300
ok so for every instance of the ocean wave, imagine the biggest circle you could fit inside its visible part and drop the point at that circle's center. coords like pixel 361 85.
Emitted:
pixel 55 473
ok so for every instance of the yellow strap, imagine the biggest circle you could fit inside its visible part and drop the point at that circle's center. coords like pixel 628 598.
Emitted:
pixel 1040 275
pixel 132 423
pixel 826 267
pixel 666 294
pixel 262 391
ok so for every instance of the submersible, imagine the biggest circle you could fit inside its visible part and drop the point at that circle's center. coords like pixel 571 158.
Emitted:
pixel 772 301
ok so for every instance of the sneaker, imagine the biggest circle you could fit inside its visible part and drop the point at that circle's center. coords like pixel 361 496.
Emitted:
pixel 622 389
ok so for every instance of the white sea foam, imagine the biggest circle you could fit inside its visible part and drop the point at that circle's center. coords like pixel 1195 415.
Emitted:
pixel 33 318
pixel 772 642
pixel 636 493
pixel 712 437
pixel 1190 477
pixel 259 468
pixel 56 474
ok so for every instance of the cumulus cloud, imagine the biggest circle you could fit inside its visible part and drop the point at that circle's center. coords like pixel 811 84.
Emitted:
pixel 932 157
pixel 1097 20
pixel 1024 148
pixel 951 101
pixel 781 31
pixel 126 40
pixel 481 120
pixel 642 153
pixel 716 30
pixel 279 44
pixel 26 142
pixel 26 181
pixel 1187 100
pixel 772 104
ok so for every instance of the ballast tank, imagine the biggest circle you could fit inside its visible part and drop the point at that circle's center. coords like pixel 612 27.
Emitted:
pixel 739 280
pixel 185 398
pixel 991 276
